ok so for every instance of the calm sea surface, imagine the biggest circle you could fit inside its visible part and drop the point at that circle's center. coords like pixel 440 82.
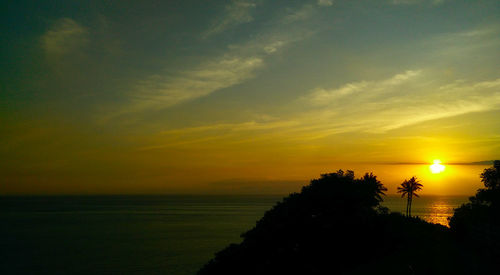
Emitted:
pixel 140 234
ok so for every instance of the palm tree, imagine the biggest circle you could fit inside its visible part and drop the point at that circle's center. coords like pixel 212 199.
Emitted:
pixel 409 188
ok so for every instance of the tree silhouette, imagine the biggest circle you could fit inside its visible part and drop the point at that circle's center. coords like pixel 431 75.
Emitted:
pixel 409 188
pixel 491 176
pixel 336 225
pixel 478 221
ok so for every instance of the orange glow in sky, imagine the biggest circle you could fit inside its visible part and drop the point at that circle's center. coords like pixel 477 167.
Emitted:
pixel 247 98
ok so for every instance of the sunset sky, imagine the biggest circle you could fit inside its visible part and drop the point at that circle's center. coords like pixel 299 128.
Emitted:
pixel 112 97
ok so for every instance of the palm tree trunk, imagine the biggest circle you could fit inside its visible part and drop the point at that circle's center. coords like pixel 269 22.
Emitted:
pixel 407 204
pixel 411 200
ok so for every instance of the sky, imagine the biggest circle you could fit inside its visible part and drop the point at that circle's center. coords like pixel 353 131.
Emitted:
pixel 245 97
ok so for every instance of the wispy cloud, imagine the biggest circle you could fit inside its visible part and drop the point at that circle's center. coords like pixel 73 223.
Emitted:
pixel 239 63
pixel 159 91
pixel 235 131
pixel 376 107
pixel 405 2
pixel 402 100
pixel 322 96
pixel 237 12
pixel 325 2
pixel 301 14
pixel 465 42
pixel 413 2
pixel 63 37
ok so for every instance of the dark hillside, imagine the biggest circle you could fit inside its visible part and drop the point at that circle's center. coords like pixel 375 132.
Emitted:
pixel 335 225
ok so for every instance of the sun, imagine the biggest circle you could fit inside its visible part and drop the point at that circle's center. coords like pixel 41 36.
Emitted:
pixel 437 167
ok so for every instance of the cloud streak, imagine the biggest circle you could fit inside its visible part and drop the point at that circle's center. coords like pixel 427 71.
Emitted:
pixel 325 3
pixel 237 12
pixel 239 63
pixel 414 2
pixel 322 96
pixel 402 100
pixel 64 37
pixel 164 91
pixel 365 106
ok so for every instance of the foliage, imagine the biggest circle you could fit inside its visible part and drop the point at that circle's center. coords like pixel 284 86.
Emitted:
pixel 336 225
pixel 409 189
pixel 478 221
pixel 491 176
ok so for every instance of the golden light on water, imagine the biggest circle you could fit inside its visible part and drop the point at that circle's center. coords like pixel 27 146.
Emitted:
pixel 436 167
pixel 439 213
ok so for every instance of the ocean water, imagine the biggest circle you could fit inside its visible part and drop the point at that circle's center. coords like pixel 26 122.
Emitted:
pixel 141 234
pixel 433 209
pixel 121 234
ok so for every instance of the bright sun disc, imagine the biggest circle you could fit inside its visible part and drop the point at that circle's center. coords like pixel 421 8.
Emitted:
pixel 437 167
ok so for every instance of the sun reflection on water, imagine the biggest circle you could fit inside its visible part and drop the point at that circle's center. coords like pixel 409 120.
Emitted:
pixel 439 212
pixel 433 209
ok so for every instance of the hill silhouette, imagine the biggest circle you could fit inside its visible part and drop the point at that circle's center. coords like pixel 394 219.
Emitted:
pixel 477 223
pixel 336 225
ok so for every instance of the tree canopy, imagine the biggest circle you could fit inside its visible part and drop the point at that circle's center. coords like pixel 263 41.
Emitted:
pixel 336 225
pixel 409 189
pixel 478 221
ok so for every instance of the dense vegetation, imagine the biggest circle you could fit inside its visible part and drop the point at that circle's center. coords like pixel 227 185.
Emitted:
pixel 336 225
pixel 478 222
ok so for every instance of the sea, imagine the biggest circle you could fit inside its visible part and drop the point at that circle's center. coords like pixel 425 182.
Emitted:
pixel 169 234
